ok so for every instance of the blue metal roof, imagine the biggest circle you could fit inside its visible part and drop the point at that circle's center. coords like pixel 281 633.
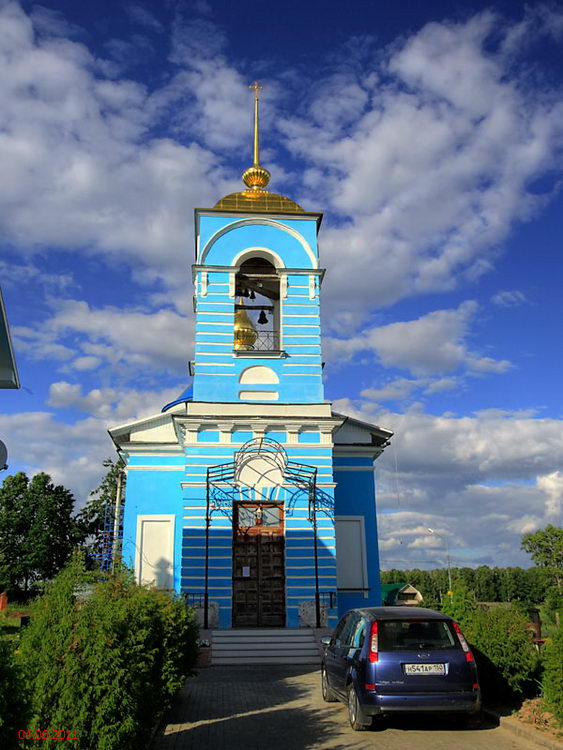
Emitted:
pixel 186 395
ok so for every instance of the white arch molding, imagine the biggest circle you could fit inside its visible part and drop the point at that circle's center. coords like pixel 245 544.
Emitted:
pixel 258 375
pixel 261 222
pixel 258 252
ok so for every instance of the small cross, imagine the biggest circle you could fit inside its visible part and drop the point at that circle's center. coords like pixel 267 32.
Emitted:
pixel 257 88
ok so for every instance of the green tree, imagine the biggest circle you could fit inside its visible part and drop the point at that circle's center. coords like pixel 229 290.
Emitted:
pixel 91 518
pixel 506 657
pixel 37 529
pixel 545 546
pixel 108 664
pixel 485 584
pixel 14 526
pixel 552 681
pixel 460 605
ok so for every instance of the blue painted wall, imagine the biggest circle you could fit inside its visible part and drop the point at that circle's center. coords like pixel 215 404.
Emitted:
pixel 355 496
pixel 153 493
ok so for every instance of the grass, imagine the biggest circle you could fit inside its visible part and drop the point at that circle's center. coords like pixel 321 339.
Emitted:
pixel 10 620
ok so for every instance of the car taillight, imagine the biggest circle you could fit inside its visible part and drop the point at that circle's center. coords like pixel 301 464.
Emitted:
pixel 464 644
pixel 373 653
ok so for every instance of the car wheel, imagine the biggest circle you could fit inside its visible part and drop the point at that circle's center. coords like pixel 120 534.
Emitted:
pixel 327 691
pixel 356 716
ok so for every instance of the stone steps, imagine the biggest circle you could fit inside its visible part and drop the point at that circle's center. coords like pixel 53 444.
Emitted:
pixel 264 646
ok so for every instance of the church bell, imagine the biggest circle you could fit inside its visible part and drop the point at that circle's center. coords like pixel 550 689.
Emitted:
pixel 245 332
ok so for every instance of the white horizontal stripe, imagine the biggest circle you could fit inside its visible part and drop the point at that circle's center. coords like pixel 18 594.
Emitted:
pixel 136 467
pixel 209 323
pixel 213 354
pixel 213 364
pixel 219 343
pixel 302 375
pixel 215 333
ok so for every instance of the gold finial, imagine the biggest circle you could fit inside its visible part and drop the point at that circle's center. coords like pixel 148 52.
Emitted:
pixel 256 177
pixel 257 89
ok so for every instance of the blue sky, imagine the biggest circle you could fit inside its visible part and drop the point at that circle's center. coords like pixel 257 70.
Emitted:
pixel 429 134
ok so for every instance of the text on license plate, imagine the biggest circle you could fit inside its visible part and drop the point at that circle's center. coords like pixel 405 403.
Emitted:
pixel 425 668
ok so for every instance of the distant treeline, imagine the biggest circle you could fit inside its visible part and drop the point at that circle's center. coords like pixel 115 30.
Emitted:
pixel 528 585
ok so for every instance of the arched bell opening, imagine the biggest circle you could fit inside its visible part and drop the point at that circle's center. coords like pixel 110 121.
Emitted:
pixel 257 314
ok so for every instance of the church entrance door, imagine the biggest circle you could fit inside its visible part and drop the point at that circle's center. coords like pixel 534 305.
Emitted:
pixel 258 565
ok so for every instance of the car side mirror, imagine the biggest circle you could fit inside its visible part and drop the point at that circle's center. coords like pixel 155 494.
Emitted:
pixel 326 641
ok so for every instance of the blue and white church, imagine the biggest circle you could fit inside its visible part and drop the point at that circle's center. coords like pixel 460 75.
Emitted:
pixel 249 493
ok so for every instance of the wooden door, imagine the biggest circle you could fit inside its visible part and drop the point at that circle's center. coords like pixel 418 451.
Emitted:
pixel 258 566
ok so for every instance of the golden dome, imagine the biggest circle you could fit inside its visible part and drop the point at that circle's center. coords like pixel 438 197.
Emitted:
pixel 262 200
pixel 256 198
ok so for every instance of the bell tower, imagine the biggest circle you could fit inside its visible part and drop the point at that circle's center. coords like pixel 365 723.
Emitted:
pixel 241 491
pixel 257 285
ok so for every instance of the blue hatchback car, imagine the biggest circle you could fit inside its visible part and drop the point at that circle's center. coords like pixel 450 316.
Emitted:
pixel 383 660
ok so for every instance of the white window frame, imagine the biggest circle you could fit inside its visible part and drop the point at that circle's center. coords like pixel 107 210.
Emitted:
pixel 171 518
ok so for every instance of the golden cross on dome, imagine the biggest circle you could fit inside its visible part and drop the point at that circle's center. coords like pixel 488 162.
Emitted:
pixel 257 89
pixel 256 177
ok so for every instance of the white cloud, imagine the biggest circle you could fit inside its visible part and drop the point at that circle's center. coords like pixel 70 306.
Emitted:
pixel 512 298
pixel 442 384
pixel 433 173
pixel 155 341
pixel 396 390
pixel 552 485
pixel 80 170
pixel 87 362
pixel 481 482
pixel 432 344
pixel 428 169
pixel 140 15
pixel 110 403
pixel 71 453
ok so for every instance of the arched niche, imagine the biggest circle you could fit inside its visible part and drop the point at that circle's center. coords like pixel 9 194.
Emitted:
pixel 257 306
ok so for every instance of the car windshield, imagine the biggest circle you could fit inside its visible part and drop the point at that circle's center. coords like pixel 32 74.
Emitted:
pixel 405 635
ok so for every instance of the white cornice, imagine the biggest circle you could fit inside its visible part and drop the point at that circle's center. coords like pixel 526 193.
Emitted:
pixel 151 448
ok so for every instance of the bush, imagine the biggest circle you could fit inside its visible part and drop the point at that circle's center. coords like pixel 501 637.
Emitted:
pixel 460 605
pixel 13 703
pixel 506 657
pixel 107 666
pixel 552 682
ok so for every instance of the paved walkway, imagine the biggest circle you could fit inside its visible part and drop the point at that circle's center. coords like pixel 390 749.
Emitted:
pixel 278 708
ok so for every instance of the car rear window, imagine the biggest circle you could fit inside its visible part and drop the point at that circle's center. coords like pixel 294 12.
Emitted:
pixel 405 635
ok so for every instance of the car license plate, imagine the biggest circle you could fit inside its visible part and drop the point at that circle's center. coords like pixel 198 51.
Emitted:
pixel 425 668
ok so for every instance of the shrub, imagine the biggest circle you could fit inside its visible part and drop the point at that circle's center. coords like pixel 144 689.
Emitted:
pixel 506 657
pixel 106 667
pixel 13 701
pixel 552 682
pixel 460 605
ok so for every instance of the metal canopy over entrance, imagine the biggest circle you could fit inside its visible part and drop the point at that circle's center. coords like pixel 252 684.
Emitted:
pixel 255 479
